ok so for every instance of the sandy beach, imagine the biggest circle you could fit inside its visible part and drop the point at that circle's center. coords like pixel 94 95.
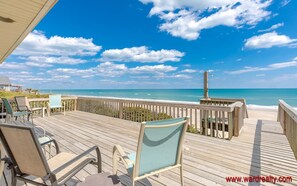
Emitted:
pixel 262 114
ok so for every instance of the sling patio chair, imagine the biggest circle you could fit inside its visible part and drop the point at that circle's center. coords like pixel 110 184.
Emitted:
pixel 28 163
pixel 10 113
pixel 22 103
pixel 159 149
pixel 55 101
pixel 4 160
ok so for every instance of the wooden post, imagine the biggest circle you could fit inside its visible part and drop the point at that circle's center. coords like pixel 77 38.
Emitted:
pixel 121 110
pixel 206 85
pixel 75 104
pixel 236 121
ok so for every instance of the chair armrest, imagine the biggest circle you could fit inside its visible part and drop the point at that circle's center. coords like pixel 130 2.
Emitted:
pixel 79 157
pixel 39 127
pixel 118 151
pixel 52 141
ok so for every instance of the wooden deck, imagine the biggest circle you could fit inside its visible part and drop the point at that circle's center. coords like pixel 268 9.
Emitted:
pixel 261 149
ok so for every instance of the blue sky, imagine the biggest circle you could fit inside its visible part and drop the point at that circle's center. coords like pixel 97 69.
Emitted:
pixel 160 44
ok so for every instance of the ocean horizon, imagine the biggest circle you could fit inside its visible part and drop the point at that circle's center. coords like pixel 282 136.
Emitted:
pixel 266 97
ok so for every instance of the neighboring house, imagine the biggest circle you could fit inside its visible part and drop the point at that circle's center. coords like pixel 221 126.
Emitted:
pixel 6 85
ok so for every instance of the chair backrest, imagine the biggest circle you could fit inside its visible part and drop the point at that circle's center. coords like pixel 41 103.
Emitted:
pixel 22 103
pixel 159 145
pixel 55 100
pixel 7 106
pixel 23 148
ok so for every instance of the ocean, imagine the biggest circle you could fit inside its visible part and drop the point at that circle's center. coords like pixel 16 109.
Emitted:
pixel 254 97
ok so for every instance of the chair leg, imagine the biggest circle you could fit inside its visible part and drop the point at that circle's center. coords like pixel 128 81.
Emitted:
pixel 7 118
pixel 181 176
pixel 115 164
pixel 13 178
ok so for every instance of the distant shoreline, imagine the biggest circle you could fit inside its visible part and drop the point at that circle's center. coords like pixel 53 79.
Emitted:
pixel 256 98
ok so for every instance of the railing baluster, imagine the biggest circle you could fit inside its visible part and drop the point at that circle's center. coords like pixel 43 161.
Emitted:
pixel 223 123
pixel 217 124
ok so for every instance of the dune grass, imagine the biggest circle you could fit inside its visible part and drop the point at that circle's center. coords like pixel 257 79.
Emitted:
pixel 10 95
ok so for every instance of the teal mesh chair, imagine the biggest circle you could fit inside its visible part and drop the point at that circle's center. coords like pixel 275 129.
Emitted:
pixel 10 113
pixel 55 102
pixel 159 149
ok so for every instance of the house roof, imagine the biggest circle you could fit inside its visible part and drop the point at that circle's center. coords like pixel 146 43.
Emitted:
pixel 5 81
pixel 17 20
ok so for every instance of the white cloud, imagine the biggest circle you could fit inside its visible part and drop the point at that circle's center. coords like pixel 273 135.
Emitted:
pixel 186 19
pixel 70 71
pixel 153 69
pixel 182 76
pixel 110 69
pixel 38 64
pixel 36 43
pixel 285 2
pixel 189 71
pixel 273 66
pixel 269 40
pixel 106 69
pixel 61 77
pixel 12 65
pixel 273 27
pixel 56 60
pixel 141 54
pixel 209 71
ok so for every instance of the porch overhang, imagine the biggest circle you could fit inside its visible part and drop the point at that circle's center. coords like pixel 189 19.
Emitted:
pixel 17 20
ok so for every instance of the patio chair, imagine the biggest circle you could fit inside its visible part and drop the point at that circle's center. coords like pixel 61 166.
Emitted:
pixel 22 103
pixel 55 101
pixel 29 165
pixel 159 149
pixel 10 113
pixel 4 160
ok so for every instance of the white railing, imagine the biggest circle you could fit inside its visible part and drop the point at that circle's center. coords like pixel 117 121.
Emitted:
pixel 221 120
pixel 69 103
pixel 287 116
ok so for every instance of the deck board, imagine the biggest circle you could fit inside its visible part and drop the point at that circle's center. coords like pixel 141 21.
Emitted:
pixel 261 149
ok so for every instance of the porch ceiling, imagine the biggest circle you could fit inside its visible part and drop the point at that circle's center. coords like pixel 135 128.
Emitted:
pixel 17 19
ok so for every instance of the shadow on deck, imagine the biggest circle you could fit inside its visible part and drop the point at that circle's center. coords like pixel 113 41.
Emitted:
pixel 261 149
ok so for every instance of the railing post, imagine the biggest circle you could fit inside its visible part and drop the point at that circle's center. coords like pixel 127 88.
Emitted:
pixel 236 121
pixel 75 104
pixel 230 125
pixel 206 85
pixel 285 122
pixel 121 109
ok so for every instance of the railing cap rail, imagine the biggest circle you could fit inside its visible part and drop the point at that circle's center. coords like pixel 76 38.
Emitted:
pixel 289 109
pixel 228 108
pixel 46 99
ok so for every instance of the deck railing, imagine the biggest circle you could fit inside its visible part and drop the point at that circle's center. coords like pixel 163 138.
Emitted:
pixel 69 103
pixel 222 121
pixel 239 114
pixel 287 116
pixel 216 119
